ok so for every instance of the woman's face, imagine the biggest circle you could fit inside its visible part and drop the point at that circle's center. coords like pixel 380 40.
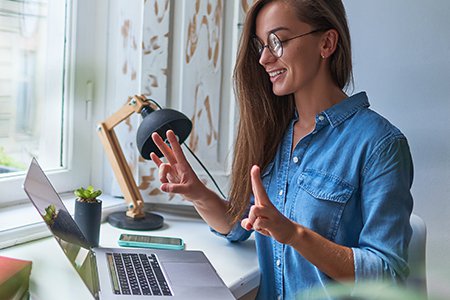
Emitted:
pixel 298 66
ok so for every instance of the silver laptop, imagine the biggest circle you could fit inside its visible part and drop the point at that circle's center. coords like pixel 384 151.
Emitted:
pixel 123 273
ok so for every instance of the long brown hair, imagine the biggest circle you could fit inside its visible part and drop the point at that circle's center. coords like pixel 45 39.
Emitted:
pixel 264 116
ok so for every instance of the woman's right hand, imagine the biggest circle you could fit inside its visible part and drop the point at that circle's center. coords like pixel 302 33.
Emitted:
pixel 177 175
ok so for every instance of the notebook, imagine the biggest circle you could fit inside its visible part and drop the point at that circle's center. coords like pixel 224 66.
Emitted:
pixel 123 273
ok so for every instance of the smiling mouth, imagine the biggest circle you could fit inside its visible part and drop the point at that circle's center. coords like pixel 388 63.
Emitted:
pixel 276 73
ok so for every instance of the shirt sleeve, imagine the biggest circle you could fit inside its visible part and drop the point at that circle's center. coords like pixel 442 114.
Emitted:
pixel 386 205
pixel 237 233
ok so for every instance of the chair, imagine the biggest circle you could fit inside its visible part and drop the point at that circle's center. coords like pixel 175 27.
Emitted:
pixel 416 256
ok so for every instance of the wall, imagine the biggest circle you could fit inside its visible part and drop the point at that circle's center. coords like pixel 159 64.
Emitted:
pixel 180 54
pixel 402 59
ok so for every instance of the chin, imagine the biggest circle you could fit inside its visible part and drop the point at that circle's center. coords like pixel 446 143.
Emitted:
pixel 277 94
pixel 279 91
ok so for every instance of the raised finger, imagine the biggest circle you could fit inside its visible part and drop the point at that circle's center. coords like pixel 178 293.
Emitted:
pixel 155 159
pixel 176 147
pixel 259 192
pixel 164 148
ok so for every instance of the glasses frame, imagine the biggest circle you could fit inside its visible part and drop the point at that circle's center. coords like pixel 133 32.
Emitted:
pixel 259 45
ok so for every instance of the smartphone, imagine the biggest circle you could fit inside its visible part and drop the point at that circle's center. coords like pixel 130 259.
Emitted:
pixel 149 241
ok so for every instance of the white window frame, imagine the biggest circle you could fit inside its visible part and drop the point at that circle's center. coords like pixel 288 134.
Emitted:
pixel 84 25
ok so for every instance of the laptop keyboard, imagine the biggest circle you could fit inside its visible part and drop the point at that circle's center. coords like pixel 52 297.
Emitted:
pixel 137 274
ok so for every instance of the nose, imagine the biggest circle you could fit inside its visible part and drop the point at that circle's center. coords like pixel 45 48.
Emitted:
pixel 266 56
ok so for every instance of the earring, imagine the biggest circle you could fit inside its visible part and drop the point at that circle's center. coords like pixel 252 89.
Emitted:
pixel 323 56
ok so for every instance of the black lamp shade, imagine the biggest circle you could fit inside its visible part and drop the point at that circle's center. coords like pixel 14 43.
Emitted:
pixel 160 121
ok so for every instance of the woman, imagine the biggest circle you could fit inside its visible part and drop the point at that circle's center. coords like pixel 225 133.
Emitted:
pixel 333 200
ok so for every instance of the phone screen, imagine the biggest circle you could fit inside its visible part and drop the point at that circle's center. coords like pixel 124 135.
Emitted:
pixel 150 239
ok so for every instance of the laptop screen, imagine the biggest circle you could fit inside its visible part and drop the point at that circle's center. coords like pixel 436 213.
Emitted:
pixel 61 224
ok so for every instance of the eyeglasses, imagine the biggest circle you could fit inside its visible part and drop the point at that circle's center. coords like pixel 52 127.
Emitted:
pixel 274 44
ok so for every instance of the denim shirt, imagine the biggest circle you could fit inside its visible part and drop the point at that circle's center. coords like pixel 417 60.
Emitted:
pixel 349 180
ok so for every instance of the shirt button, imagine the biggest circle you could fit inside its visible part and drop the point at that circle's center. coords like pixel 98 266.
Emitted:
pixel 278 262
pixel 321 118
pixel 295 159
pixel 280 193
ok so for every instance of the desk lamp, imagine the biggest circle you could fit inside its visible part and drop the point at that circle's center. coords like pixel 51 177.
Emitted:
pixel 161 120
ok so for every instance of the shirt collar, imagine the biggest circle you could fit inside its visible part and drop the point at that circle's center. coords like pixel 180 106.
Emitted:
pixel 343 110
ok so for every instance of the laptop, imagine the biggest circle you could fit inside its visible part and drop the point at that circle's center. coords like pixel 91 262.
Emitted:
pixel 123 273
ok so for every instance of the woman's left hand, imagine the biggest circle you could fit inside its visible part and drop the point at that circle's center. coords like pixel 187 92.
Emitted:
pixel 264 217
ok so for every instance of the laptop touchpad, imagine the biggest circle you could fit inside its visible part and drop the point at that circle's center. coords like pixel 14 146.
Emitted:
pixel 191 274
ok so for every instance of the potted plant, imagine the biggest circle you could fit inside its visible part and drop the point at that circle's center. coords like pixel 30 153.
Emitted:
pixel 88 213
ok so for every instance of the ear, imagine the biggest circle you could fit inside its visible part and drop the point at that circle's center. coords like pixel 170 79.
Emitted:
pixel 329 43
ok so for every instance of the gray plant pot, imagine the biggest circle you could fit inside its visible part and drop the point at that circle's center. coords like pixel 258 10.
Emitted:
pixel 88 217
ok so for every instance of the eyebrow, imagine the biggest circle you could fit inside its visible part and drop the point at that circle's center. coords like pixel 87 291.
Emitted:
pixel 275 30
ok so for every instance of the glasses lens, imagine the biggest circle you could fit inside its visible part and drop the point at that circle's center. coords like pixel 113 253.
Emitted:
pixel 259 47
pixel 275 45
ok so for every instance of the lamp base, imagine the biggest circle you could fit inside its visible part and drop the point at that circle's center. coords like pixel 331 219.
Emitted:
pixel 149 222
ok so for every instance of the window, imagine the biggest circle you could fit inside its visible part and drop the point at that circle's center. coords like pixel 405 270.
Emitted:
pixel 44 71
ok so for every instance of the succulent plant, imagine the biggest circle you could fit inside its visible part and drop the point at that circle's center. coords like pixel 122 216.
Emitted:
pixel 87 195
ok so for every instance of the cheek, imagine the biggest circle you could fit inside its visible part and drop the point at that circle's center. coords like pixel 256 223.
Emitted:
pixel 303 57
pixel 303 67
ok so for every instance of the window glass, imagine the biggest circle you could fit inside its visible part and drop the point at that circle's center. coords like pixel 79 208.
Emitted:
pixel 32 51
pixel 46 59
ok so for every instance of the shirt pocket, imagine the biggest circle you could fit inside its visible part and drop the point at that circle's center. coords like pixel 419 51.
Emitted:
pixel 320 201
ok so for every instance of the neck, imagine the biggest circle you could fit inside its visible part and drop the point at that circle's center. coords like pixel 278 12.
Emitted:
pixel 315 98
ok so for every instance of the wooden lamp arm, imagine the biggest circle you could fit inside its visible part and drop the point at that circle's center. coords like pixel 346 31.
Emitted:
pixel 117 159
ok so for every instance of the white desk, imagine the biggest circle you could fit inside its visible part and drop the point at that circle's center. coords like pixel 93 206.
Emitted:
pixel 52 276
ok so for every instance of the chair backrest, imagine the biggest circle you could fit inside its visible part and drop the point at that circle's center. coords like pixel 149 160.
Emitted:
pixel 416 256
